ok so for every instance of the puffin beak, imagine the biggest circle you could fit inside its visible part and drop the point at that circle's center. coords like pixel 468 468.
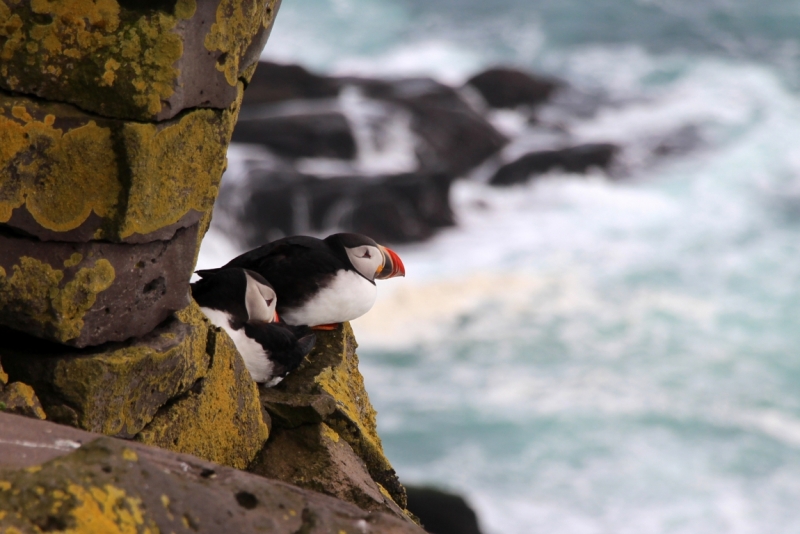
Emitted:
pixel 392 265
pixel 277 319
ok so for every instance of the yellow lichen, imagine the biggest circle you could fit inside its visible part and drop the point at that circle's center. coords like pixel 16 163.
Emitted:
pixel 5 485
pixel 129 455
pixel 62 176
pixel 222 421
pixel 237 22
pixel 33 293
pixel 330 433
pixel 73 260
pixel 107 509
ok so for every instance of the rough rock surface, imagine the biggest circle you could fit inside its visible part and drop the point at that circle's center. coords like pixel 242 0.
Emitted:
pixel 132 60
pixel 55 478
pixel 219 418
pixel 327 394
pixel 19 398
pixel 90 293
pixel 115 389
pixel 68 175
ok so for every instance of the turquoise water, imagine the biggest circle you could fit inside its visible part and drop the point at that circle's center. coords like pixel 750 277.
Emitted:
pixel 599 355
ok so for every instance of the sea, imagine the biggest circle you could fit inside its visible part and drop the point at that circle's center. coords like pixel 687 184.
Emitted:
pixel 604 354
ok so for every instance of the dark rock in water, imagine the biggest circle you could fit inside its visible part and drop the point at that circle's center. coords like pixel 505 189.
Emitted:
pixel 577 159
pixel 509 88
pixel 317 134
pixel 441 512
pixel 273 82
pixel 392 209
pixel 453 136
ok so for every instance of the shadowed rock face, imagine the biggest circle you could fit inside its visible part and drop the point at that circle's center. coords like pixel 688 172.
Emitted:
pixel 57 478
pixel 509 88
pixel 577 159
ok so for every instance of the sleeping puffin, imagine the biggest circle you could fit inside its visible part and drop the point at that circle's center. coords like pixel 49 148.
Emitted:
pixel 321 282
pixel 243 303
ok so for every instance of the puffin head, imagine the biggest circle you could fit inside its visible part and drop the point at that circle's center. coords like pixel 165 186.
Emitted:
pixel 371 260
pixel 259 299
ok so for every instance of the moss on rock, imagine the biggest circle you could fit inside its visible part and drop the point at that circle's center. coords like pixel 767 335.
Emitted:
pixel 34 292
pixel 126 61
pixel 329 388
pixel 219 419
pixel 20 399
pixel 67 175
pixel 118 389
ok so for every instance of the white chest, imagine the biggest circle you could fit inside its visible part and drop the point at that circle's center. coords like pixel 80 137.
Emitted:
pixel 347 297
pixel 256 359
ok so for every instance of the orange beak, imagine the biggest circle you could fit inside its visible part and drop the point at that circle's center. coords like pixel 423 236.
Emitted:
pixel 277 318
pixel 392 265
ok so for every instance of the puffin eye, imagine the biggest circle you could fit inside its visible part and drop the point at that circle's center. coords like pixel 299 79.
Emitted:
pixel 366 254
pixel 269 302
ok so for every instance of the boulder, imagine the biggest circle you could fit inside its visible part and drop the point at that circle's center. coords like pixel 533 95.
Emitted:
pixel 316 406
pixel 140 61
pixel 305 133
pixel 454 138
pixel 274 82
pixel 441 512
pixel 577 159
pixel 55 478
pixel 91 293
pixel 392 209
pixel 508 88
pixel 19 398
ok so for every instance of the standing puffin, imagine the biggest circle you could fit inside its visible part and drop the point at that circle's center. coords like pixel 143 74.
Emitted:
pixel 321 282
pixel 243 303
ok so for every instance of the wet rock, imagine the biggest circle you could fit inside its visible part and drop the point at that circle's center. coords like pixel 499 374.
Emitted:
pixel 274 82
pixel 67 175
pixel 219 418
pixel 91 484
pixel 141 61
pixel 509 88
pixel 84 294
pixel 454 137
pixel 116 389
pixel 302 133
pixel 328 388
pixel 20 399
pixel 441 512
pixel 313 456
pixel 577 159
pixel 392 209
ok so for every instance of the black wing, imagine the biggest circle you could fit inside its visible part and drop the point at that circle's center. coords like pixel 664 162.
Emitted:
pixel 287 344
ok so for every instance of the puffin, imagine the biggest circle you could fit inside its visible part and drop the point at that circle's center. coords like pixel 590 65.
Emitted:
pixel 321 282
pixel 243 303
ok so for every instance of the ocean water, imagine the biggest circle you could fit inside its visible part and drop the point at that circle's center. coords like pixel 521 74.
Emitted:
pixel 602 354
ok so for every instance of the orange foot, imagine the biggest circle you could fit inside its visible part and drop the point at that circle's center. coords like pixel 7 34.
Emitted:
pixel 332 326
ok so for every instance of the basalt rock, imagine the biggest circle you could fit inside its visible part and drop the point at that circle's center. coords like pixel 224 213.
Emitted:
pixel 577 159
pixel 84 294
pixel 320 403
pixel 55 478
pixel 509 88
pixel 67 175
pixel 219 418
pixel 115 389
pixel 133 60
pixel 441 512
pixel 20 399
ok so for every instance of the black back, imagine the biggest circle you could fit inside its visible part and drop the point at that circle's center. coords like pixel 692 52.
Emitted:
pixel 287 344
pixel 298 266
